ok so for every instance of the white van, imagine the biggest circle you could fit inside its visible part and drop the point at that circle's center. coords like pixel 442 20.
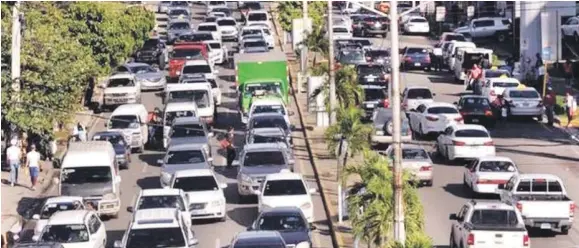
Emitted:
pixel 90 170
pixel 450 57
pixel 130 120
pixel 200 93
pixel 176 110
pixel 466 58
pixel 257 16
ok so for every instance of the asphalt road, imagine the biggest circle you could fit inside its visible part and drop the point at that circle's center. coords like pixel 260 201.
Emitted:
pixel 533 146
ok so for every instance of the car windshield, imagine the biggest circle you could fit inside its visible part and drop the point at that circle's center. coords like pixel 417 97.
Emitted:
pixel 64 234
pixel 419 94
pixel 471 133
pixel 284 187
pixel 156 237
pixel 194 69
pixel 123 122
pixel 181 96
pixel 414 153
pixel 255 17
pixel 506 84
pixel 260 43
pixel 151 43
pixel 496 73
pixel 215 45
pixel 523 94
pixel 226 22
pixel 161 201
pixel 179 4
pixel 189 53
pixel 496 166
pixel 352 57
pixel 217 3
pixel 269 109
pixel 287 222
pixel 198 183
pixel 494 217
pixel 81 175
pixel 452 37
pixel 176 12
pixel 418 20
pixel 113 139
pixel 197 37
pixel 341 30
pixel 251 5
pixel 442 110
pixel 51 208
pixel 416 51
pixel 475 102
pixel 120 82
pixel 142 69
pixel 269 121
pixel 366 69
pixel 251 32
pixel 374 94
pixel 211 28
pixel 191 130
pixel 210 19
pixel 257 139
pixel 171 115
pixel 185 157
pixel 179 26
pixel 378 53
pixel 271 88
pixel 253 159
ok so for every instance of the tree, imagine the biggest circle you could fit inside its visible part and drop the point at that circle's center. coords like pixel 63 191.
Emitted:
pixel 350 128
pixel 371 210
pixel 348 92
pixel 317 43
pixel 289 10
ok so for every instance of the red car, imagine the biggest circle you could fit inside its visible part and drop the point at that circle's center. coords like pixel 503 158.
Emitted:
pixel 183 51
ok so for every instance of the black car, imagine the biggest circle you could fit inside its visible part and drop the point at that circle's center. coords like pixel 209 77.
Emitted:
pixel 374 96
pixel 371 26
pixel 415 58
pixel 380 57
pixel 476 110
pixel 151 52
pixel 371 74
pixel 351 57
pixel 288 221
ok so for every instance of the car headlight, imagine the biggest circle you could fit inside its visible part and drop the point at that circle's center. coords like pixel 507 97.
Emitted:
pixel 304 244
pixel 246 178
pixel 157 79
pixel 306 206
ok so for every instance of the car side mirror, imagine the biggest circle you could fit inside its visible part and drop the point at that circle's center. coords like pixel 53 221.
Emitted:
pixel 223 185
pixel 216 71
pixel 210 160
pixel 453 217
pixel 433 94
pixel 36 217
pixel 193 242
pixel 130 209
pixel 160 162
pixel 292 127
pixel 501 186
pixel 117 244
pixel 257 192
pixel 313 191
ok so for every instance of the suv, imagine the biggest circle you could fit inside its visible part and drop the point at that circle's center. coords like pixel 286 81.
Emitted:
pixel 371 74
pixel 152 52
pixel 182 157
pixel 158 227
pixel 372 25
pixel 121 88
pixel 498 28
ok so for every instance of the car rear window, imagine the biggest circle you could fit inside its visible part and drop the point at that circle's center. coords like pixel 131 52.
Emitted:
pixel 476 102
pixel 454 37
pixel 496 166
pixel 471 133
pixel 211 28
pixel 366 69
pixel 257 17
pixel 341 30
pixel 494 217
pixel 416 51
pixel 374 94
pixel 226 23
pixel 505 84
pixel 363 42
pixel 378 53
pixel 523 94
pixel 539 185
pixel 418 20
pixel 442 110
pixel 414 153
pixel 419 94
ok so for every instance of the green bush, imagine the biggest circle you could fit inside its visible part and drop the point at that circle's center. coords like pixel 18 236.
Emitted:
pixel 289 10
pixel 63 46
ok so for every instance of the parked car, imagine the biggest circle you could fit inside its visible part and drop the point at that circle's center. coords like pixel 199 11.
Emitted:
pixel 523 102
pixel 416 161
pixel 485 174
pixel 465 141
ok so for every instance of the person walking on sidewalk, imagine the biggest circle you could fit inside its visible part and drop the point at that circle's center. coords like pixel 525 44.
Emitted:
pixel 570 106
pixel 13 155
pixel 33 165
pixel 550 100
pixel 568 73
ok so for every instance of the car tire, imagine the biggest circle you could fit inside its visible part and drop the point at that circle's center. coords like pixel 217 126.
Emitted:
pixel 429 183
pixel 384 35
pixel 565 230
pixel 501 37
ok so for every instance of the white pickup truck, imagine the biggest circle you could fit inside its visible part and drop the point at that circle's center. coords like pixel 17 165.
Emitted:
pixel 541 199
pixel 485 224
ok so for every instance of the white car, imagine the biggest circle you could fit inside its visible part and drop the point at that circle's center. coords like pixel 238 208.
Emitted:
pixel 496 86
pixel 465 141
pixel 54 205
pixel 210 27
pixel 228 28
pixel 205 193
pixel 273 105
pixel 259 30
pixel 416 161
pixel 120 89
pixel 257 16
pixel 482 224
pixel 201 79
pixel 199 67
pixel 523 102
pixel 413 96
pixel 220 51
pixel 433 118
pixel 571 28
pixel 341 32
pixel 416 25
pixel 485 174
pixel 214 5
pixel 286 189
pixel 74 229
pixel 162 198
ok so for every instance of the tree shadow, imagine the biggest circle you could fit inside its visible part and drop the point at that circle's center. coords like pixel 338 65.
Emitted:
pixel 457 190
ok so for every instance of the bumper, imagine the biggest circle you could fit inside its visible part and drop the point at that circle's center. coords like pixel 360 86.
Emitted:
pixel 548 223
pixel 246 188
pixel 376 31
pixel 386 139
pixel 211 212
pixel 423 176
pixel 433 129
pixel 109 207
pixel 136 143
pixel 118 101
pixel 417 30
pixel 413 65
pixel 467 152
pixel 485 188
pixel 482 120
pixel 527 111
pixel 229 36
pixel 159 85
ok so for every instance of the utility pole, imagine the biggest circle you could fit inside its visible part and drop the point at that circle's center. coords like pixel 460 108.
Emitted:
pixel 16 39
pixel 332 74
pixel 304 52
pixel 399 230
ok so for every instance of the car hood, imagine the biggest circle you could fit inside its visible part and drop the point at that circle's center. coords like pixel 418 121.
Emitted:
pixel 204 196
pixel 172 168
pixel 285 201
pixel 262 170
pixel 149 75
pixel 119 90
pixel 86 189
pixel 295 237
pixel 178 31
pixel 226 28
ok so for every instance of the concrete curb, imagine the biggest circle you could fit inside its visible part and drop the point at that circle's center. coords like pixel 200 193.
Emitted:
pixel 337 240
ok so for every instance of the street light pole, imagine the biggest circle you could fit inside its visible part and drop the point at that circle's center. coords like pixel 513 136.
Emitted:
pixel 16 39
pixel 331 76
pixel 399 231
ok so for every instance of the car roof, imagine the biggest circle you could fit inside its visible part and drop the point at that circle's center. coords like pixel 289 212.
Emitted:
pixel 179 87
pixel 226 18
pixel 180 21
pixel 262 147
pixel 128 109
pixel 69 217
pixel 155 217
pixel 283 176
pixel 539 175
pixel 281 210
pixel 197 61
pixel 412 87
pixel 504 79
pixel 412 146
pixel 267 131
pixel 187 120
pixel 257 11
pixel 258 234
pixel 267 114
pixel 100 153
pixel 495 158
pixel 269 101
pixel 186 147
pixel 57 199
pixel 180 106
pixel 490 204
pixel 194 173
pixel 469 127
pixel 207 24
pixel 160 192
pixel 439 104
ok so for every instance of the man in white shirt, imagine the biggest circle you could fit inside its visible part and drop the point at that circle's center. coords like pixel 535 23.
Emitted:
pixel 33 164
pixel 13 156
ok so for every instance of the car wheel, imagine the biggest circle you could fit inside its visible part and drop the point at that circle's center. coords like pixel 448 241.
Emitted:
pixel 223 219
pixel 501 37
pixel 429 183
pixel 565 230
pixel 384 35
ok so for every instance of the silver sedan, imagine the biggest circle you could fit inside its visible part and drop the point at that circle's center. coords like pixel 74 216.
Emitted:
pixel 149 77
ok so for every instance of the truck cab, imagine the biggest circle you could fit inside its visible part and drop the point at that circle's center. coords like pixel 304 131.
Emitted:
pixel 261 88
pixel 182 52
pixel 121 88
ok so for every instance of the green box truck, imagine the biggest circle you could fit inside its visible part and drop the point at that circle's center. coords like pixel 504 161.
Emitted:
pixel 261 75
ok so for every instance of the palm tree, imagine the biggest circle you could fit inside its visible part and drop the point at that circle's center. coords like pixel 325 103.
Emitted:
pixel 372 210
pixel 348 93
pixel 316 43
pixel 349 128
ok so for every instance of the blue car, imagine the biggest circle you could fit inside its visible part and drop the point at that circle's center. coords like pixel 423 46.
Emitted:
pixel 415 58
pixel 122 148
pixel 289 222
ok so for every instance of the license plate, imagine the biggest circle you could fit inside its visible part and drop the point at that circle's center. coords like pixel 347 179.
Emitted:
pixel 198 212
pixel 416 64
pixel 119 100
pixel 369 105
pixel 545 226
pixel 475 120
pixel 370 79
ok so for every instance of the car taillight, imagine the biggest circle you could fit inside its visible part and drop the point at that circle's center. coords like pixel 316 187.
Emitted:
pixel 489 143
pixel 408 59
pixel 458 119
pixel 488 113
pixel 572 207
pixel 492 93
pixel 520 207
pixel 427 59
pixel 526 240
pixel 426 168
pixel 432 118
pixel 458 143
pixel 470 239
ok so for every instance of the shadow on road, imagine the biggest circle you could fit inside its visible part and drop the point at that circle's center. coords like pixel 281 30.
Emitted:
pixel 150 158
pixel 442 79
pixel 231 193
pixel 28 206
pixel 113 236
pixel 243 215
pixel 458 190
pixel 149 183
pixel 538 233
